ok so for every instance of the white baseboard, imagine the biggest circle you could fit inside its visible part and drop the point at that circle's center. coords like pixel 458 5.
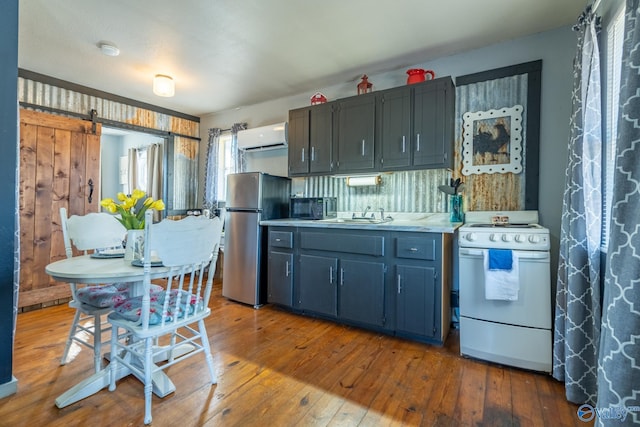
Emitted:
pixel 9 388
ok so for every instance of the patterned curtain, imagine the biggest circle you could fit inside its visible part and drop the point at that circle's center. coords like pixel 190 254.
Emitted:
pixel 237 156
pixel 211 172
pixel 577 317
pixel 619 362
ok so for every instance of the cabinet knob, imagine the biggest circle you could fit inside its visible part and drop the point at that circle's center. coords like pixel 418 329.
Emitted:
pixel 413 249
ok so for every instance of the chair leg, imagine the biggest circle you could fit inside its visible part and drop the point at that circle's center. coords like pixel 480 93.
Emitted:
pixel 72 332
pixel 113 363
pixel 207 350
pixel 97 342
pixel 148 373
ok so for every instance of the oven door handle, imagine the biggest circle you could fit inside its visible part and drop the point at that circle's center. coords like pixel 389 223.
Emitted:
pixel 521 254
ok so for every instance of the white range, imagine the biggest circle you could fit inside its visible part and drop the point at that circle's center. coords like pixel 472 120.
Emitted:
pixel 513 329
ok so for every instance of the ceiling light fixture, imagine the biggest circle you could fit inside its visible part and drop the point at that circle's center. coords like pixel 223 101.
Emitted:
pixel 163 85
pixel 109 49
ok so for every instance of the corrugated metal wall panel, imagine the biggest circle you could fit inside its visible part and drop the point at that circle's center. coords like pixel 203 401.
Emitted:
pixel 45 95
pixel 498 191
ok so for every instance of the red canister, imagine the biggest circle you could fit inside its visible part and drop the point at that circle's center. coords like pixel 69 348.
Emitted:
pixel 417 75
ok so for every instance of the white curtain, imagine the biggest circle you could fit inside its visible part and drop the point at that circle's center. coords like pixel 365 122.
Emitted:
pixel 238 156
pixel 154 175
pixel 215 165
pixel 211 196
pixel 146 175
pixel 132 179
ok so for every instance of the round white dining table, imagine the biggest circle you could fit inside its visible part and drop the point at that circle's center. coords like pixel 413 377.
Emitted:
pixel 88 270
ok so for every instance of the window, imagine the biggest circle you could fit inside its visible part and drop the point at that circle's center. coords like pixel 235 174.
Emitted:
pixel 225 165
pixel 612 64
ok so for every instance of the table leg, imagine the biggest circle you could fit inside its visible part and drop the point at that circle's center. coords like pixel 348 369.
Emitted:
pixel 162 385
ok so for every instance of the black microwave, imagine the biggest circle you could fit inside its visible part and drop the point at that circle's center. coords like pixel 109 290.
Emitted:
pixel 313 207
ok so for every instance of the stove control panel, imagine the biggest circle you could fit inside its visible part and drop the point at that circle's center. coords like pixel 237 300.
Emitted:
pixel 507 239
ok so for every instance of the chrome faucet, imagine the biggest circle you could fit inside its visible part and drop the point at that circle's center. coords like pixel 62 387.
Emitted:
pixel 365 211
pixel 382 213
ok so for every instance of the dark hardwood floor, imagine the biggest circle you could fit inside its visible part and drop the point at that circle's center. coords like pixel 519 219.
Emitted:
pixel 279 369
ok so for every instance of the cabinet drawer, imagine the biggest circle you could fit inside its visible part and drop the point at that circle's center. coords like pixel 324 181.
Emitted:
pixel 416 248
pixel 347 243
pixel 281 239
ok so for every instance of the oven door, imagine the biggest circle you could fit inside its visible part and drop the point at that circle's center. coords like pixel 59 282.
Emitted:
pixel 533 306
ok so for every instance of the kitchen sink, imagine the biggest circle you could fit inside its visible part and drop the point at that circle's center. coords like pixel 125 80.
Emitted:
pixel 358 220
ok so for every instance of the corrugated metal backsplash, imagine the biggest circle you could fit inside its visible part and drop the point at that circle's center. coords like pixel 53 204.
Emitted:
pixel 412 191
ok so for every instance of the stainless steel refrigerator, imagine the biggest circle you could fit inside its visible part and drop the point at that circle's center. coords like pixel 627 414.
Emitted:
pixel 251 198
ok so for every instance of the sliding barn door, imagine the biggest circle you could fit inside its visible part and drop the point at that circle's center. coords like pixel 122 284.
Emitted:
pixel 59 166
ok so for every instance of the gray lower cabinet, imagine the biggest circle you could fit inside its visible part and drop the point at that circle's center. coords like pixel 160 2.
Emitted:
pixel 394 282
pixel 280 281
pixel 342 275
pixel 361 292
pixel 317 290
pixel 421 284
pixel 280 267
pixel 415 303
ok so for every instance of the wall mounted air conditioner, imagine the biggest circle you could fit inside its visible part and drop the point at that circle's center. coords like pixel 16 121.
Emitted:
pixel 263 138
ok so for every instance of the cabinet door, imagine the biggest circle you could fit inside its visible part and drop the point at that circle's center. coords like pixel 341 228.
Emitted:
pixel 298 141
pixel 280 284
pixel 356 130
pixel 431 140
pixel 416 299
pixel 321 139
pixel 362 291
pixel 317 290
pixel 395 128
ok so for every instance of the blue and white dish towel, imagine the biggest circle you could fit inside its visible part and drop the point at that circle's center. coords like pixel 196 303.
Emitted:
pixel 501 275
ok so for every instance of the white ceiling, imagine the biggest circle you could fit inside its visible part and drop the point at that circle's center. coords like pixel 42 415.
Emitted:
pixel 225 54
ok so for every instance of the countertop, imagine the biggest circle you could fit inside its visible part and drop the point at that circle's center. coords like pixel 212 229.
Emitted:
pixel 424 223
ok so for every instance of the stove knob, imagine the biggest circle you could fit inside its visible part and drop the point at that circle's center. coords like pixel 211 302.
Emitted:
pixel 507 237
pixel 493 237
pixel 520 238
pixel 534 239
pixel 471 237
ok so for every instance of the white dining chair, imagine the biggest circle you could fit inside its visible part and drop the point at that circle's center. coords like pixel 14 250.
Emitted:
pixel 187 247
pixel 87 233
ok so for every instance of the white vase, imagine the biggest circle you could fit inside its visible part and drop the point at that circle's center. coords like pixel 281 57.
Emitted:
pixel 134 247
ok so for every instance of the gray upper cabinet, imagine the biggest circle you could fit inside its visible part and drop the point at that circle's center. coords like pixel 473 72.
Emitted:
pixel 433 114
pixel 311 140
pixel 404 128
pixel 395 128
pixel 356 134
pixel 321 139
pixel 416 126
pixel 298 142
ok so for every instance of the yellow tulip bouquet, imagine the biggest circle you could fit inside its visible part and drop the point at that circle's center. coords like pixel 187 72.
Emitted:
pixel 130 216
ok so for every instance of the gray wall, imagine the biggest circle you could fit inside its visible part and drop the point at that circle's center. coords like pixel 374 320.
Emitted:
pixel 556 48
